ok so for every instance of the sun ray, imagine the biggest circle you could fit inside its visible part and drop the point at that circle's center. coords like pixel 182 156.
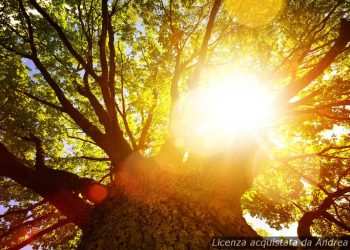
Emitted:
pixel 213 116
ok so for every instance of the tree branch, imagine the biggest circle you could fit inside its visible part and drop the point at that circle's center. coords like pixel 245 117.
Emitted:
pixel 296 86
pixel 25 224
pixel 112 64
pixel 64 39
pixel 89 158
pixel 82 139
pixel 340 224
pixel 193 82
pixel 306 99
pixel 34 237
pixel 29 26
pixel 54 106
pixel 127 128
pixel 102 41
pixel 306 178
pixel 96 105
pixel 24 210
pixel 39 156
pixel 320 153
pixel 319 108
pixel 90 129
pixel 63 199
pixel 107 80
pixel 305 222
pixel 148 123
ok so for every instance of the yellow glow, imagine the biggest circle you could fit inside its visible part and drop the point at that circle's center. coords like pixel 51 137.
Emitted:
pixel 335 133
pixel 211 117
pixel 254 13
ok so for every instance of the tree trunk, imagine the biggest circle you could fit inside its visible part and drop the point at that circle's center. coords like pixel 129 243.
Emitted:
pixel 159 206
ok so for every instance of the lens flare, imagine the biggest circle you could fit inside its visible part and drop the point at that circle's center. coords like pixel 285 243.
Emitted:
pixel 209 118
pixel 97 193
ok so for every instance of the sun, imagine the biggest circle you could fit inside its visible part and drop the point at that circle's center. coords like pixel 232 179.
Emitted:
pixel 228 107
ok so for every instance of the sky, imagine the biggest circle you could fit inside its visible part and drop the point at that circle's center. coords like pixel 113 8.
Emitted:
pixel 258 223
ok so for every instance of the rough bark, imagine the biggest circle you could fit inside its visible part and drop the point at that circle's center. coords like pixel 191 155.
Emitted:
pixel 159 206
pixel 124 223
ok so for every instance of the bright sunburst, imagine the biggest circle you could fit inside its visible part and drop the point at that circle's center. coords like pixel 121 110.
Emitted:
pixel 212 117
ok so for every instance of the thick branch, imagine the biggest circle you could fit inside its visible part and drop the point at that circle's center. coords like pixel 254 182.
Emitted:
pixel 96 105
pixel 102 41
pixel 106 84
pixel 64 200
pixel 204 48
pixel 305 222
pixel 295 87
pixel 148 123
pixel 112 64
pixel 144 132
pixel 39 156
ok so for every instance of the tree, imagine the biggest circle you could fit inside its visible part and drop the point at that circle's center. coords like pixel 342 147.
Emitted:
pixel 88 153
